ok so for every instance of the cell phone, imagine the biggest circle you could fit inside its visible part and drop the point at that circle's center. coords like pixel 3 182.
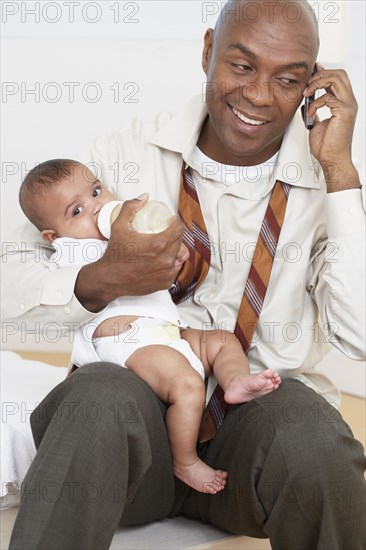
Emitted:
pixel 309 121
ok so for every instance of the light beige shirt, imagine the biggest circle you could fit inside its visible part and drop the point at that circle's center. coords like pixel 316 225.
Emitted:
pixel 316 294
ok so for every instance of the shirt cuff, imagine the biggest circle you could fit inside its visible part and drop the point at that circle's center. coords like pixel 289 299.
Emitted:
pixel 58 290
pixel 345 213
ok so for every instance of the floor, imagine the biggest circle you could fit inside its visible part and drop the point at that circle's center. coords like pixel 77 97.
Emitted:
pixel 166 535
pixel 170 534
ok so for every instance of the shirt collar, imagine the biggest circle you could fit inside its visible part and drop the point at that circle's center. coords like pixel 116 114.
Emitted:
pixel 182 131
pixel 296 165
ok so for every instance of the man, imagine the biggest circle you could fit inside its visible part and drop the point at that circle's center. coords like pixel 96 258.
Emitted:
pixel 295 470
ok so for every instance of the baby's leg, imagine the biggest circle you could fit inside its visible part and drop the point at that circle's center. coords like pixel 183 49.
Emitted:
pixel 114 325
pixel 221 351
pixel 171 377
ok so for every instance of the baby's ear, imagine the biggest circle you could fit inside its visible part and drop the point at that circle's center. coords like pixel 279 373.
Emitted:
pixel 49 235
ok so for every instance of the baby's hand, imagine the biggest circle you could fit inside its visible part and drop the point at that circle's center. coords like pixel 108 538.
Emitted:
pixel 181 257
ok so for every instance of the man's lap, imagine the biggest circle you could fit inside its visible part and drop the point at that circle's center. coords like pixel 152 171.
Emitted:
pixel 273 447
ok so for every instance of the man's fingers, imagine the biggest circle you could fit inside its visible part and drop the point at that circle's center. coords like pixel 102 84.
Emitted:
pixel 335 82
pixel 183 252
pixel 336 106
pixel 182 255
pixel 334 74
pixel 316 120
pixel 175 229
pixel 132 206
pixel 322 101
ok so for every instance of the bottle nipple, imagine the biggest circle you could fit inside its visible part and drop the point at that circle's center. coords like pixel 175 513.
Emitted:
pixel 108 213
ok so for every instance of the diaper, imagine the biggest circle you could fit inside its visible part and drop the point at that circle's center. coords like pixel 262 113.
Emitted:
pixel 144 331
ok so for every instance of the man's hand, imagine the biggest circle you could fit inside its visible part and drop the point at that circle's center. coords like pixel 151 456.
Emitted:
pixel 331 139
pixel 133 264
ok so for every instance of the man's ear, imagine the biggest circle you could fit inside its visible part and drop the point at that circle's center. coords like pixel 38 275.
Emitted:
pixel 49 235
pixel 207 49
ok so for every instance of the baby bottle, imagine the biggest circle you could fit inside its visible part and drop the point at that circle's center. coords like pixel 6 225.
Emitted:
pixel 154 217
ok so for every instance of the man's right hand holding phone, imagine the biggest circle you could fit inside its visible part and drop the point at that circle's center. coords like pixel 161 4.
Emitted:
pixel 331 139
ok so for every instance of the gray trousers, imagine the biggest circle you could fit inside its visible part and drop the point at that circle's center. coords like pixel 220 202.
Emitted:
pixel 295 470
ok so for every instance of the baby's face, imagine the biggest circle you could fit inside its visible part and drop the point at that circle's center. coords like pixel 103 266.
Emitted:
pixel 73 206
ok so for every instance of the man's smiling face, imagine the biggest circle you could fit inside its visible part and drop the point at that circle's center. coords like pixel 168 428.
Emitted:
pixel 256 73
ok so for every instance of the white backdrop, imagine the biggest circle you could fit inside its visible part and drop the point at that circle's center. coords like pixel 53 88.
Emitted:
pixel 72 70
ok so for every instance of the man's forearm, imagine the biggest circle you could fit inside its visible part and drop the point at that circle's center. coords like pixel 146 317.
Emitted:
pixel 89 288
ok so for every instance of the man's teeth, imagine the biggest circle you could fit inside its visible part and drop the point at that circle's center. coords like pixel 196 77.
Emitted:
pixel 246 119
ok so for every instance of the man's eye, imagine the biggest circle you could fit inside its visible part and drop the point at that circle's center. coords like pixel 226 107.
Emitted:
pixel 289 81
pixel 76 211
pixel 241 67
pixel 97 191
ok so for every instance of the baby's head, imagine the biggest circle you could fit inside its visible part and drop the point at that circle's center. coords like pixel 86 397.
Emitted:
pixel 62 198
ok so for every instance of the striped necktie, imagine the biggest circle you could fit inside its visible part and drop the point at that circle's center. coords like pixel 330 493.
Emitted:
pixel 195 269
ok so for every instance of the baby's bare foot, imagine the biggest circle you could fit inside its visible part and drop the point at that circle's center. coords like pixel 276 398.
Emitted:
pixel 246 387
pixel 201 477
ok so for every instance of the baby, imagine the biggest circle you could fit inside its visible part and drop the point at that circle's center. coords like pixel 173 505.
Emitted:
pixel 145 334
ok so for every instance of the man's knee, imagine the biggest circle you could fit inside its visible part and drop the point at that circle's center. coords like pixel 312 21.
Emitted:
pixel 316 441
pixel 303 438
pixel 109 382
pixel 298 417
pixel 102 373
pixel 308 432
pixel 98 393
pixel 290 449
pixel 95 382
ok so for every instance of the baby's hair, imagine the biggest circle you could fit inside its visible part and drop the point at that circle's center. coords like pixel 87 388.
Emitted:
pixel 41 179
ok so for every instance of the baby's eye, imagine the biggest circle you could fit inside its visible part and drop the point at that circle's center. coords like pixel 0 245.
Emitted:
pixel 77 211
pixel 97 191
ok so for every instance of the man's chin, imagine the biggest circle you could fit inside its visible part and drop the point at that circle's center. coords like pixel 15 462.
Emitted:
pixel 249 150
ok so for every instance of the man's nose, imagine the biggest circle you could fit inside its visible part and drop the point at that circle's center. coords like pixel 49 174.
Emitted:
pixel 259 91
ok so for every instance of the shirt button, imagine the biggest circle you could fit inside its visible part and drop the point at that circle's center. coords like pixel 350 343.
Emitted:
pixel 22 307
pixel 67 310
pixel 353 210
pixel 58 295
pixel 210 296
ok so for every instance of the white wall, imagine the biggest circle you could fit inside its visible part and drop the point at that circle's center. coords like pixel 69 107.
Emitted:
pixel 124 59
